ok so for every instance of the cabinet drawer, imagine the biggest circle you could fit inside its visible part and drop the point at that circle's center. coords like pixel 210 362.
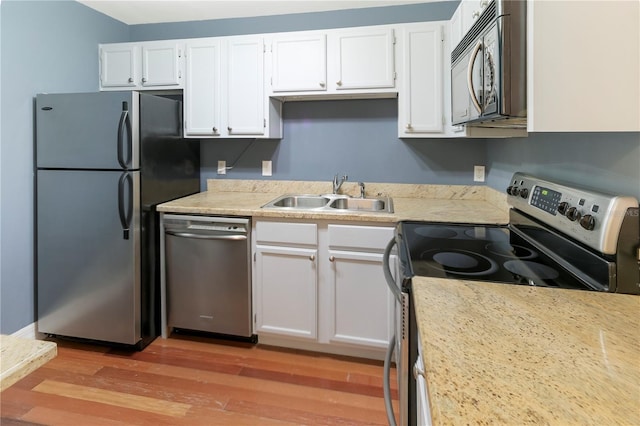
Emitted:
pixel 359 237
pixel 288 233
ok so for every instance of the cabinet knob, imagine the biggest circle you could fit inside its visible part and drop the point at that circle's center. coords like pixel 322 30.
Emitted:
pixel 339 82
pixel 475 14
pixel 312 257
pixel 322 84
pixel 229 129
pixel 215 130
pixel 130 80
pixel 408 126
pixel 144 80
pixel 332 258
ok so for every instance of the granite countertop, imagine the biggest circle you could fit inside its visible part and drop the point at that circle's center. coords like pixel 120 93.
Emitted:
pixel 437 203
pixel 21 356
pixel 509 354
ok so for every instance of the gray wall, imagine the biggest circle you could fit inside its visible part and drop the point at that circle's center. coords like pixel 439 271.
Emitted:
pixel 354 137
pixel 609 162
pixel 52 46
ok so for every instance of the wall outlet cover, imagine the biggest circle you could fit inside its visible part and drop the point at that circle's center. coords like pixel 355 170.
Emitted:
pixel 222 167
pixel 478 173
pixel 266 168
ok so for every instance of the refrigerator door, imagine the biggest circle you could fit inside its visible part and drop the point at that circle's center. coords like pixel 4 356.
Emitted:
pixel 88 254
pixel 87 130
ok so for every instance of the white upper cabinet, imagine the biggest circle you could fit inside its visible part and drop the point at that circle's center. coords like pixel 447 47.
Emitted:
pixel 161 64
pixel 202 97
pixel 421 105
pixel 299 63
pixel 245 83
pixel 583 66
pixel 147 65
pixel 324 64
pixel 224 93
pixel 362 59
pixel 119 66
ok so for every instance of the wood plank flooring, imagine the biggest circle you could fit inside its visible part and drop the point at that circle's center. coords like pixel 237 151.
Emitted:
pixel 190 380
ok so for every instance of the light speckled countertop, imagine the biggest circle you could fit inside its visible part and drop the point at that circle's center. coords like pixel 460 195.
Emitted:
pixel 509 354
pixel 437 203
pixel 19 357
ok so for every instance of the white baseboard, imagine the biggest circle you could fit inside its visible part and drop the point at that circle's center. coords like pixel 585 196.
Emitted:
pixel 29 332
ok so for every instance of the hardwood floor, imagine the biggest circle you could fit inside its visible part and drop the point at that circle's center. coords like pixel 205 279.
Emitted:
pixel 189 380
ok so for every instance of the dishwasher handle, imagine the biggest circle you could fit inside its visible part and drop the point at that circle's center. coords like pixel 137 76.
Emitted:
pixel 233 237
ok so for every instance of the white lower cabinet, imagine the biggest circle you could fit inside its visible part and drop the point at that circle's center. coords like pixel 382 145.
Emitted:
pixel 322 283
pixel 286 291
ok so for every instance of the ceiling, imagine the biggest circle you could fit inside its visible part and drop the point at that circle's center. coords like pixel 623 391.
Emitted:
pixel 133 12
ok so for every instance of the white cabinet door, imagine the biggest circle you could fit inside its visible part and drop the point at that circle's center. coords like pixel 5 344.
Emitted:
pixel 363 305
pixel 245 86
pixel 161 64
pixel 286 291
pixel 299 63
pixel 202 94
pixel 362 59
pixel 119 65
pixel 421 97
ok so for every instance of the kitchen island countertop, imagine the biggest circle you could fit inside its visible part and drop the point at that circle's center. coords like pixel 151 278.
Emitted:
pixel 510 354
pixel 437 203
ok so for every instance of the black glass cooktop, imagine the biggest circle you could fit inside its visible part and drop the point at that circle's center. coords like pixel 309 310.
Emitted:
pixel 481 253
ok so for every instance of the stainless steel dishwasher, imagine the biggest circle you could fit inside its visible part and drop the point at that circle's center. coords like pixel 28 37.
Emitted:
pixel 208 274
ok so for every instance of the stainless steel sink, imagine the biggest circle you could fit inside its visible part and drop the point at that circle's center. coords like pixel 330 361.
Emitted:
pixel 331 203
pixel 300 201
pixel 363 204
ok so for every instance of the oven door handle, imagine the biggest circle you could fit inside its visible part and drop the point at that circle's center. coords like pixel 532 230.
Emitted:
pixel 391 283
pixel 386 382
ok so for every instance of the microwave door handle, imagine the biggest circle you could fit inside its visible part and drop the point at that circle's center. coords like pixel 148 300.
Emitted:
pixel 472 61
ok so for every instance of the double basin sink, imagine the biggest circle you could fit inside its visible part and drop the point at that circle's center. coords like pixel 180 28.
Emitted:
pixel 332 202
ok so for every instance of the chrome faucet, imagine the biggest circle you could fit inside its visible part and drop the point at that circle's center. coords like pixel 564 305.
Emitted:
pixel 338 183
pixel 361 185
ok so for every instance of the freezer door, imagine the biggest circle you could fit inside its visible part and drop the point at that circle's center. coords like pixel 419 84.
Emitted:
pixel 87 130
pixel 88 264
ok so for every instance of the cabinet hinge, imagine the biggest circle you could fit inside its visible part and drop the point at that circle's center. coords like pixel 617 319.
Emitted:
pixel 254 257
pixel 179 53
pixel 395 75
pixel 255 318
pixel 264 48
pixel 264 124
pixel 394 39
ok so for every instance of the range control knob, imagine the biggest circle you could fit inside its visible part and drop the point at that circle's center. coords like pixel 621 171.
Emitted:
pixel 588 222
pixel 524 192
pixel 562 207
pixel 509 188
pixel 573 214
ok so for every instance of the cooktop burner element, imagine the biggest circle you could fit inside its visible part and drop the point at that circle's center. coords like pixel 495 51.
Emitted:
pixel 509 250
pixel 461 262
pixel 431 232
pixel 531 270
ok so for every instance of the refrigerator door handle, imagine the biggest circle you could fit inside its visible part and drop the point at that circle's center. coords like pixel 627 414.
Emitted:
pixel 124 124
pixel 125 206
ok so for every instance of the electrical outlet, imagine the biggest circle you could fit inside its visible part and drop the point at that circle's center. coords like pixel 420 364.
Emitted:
pixel 266 168
pixel 222 167
pixel 478 173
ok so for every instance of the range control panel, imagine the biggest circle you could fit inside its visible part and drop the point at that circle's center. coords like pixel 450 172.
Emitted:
pixel 591 217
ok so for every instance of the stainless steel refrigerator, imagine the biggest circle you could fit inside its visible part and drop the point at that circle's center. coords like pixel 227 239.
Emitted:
pixel 103 163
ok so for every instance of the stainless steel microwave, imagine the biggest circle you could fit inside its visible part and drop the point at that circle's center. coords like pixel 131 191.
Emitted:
pixel 488 69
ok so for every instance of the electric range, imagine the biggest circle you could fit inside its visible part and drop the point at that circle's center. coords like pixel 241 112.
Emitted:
pixel 558 236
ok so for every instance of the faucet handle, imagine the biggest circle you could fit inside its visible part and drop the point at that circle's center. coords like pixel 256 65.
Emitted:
pixel 361 185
